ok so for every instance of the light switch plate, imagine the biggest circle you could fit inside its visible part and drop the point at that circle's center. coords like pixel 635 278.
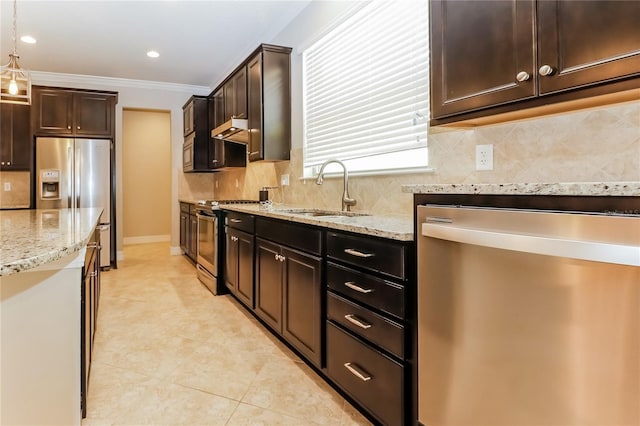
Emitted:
pixel 284 180
pixel 7 186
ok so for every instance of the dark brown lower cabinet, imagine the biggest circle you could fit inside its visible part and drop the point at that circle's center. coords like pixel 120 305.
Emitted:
pixel 90 296
pixel 269 278
pixel 345 302
pixel 239 265
pixel 289 296
pixel 367 375
pixel 302 294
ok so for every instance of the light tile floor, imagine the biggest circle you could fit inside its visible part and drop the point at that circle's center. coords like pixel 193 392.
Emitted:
pixel 167 352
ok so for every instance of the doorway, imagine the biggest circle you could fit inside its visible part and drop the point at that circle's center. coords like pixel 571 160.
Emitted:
pixel 146 176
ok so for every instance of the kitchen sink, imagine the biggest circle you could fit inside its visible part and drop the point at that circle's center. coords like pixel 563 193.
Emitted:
pixel 319 212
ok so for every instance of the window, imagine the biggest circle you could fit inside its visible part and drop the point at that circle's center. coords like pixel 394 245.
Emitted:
pixel 366 91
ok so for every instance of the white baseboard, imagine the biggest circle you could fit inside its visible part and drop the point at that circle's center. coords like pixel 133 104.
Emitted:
pixel 146 239
pixel 120 255
pixel 175 251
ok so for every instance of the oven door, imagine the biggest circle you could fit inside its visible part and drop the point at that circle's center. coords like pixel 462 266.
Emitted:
pixel 528 318
pixel 207 249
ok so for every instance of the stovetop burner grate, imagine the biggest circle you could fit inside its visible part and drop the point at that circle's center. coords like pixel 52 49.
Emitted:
pixel 214 203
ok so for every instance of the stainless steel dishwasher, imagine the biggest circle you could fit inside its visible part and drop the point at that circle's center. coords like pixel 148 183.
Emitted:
pixel 528 317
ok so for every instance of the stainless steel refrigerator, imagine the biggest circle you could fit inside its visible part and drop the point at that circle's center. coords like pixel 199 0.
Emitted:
pixel 76 173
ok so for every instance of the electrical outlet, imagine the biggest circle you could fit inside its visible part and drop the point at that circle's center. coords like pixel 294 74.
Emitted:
pixel 7 186
pixel 484 157
pixel 284 180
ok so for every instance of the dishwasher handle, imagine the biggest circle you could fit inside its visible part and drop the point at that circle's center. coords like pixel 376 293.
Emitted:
pixel 538 244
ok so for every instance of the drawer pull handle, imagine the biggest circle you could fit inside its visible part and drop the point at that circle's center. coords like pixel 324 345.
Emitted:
pixel 236 220
pixel 357 321
pixel 357 288
pixel 357 253
pixel 234 238
pixel 352 369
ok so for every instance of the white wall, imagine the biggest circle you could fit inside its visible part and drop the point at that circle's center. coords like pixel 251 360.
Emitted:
pixel 135 94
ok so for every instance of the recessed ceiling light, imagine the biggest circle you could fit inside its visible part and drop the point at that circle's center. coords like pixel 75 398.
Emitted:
pixel 28 39
pixel 153 54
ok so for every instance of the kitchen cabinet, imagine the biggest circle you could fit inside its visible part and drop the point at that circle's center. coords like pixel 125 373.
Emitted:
pixel 72 112
pixel 289 284
pixel 269 278
pixel 239 256
pixel 216 109
pixel 188 230
pixel 16 143
pixel 370 330
pixel 260 91
pixel 269 104
pixel 235 95
pixel 90 296
pixel 197 147
pixel 514 55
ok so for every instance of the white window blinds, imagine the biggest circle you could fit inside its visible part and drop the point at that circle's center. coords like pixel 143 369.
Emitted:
pixel 366 90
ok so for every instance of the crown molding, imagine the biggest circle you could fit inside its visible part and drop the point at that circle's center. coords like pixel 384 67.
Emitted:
pixel 73 80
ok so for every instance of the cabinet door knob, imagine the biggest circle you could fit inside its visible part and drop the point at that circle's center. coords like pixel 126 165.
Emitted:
pixel 546 70
pixel 78 127
pixel 2 163
pixel 523 76
pixel 68 127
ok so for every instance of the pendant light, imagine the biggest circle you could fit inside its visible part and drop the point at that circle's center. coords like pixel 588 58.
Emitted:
pixel 15 83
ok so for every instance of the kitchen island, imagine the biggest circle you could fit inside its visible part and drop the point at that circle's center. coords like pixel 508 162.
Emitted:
pixel 42 255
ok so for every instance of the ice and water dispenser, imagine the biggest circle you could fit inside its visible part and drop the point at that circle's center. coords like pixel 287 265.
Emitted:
pixel 50 184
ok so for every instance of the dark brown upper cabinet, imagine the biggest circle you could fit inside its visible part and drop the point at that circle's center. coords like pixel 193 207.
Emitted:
pixel 65 112
pixel 587 42
pixel 259 90
pixel 269 104
pixel 15 137
pixel 491 57
pixel 197 143
pixel 235 95
pixel 216 108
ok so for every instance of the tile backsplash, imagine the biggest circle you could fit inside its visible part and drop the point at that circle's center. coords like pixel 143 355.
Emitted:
pixel 596 145
pixel 19 193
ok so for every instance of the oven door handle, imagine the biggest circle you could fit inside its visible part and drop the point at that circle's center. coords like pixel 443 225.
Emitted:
pixel 205 217
pixel 539 244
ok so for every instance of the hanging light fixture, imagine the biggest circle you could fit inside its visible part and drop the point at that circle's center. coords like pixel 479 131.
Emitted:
pixel 15 83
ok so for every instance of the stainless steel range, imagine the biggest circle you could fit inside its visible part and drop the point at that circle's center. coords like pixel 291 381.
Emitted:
pixel 210 246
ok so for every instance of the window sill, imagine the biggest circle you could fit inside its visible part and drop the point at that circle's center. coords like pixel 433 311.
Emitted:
pixel 333 175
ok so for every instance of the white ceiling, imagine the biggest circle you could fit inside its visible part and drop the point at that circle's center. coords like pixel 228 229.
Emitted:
pixel 199 42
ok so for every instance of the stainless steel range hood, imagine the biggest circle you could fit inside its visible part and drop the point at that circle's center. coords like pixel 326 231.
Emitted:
pixel 233 130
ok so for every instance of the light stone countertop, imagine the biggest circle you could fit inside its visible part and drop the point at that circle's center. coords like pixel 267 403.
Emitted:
pixel 392 227
pixel 570 188
pixel 31 238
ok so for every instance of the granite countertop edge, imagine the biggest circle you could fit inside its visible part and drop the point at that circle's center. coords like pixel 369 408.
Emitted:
pixel 630 188
pixel 398 228
pixel 43 252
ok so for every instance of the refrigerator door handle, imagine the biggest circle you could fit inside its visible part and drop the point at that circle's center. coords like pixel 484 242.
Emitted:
pixel 70 174
pixel 77 159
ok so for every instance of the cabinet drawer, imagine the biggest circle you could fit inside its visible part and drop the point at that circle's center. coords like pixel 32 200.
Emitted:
pixel 374 380
pixel 296 236
pixel 371 326
pixel 376 255
pixel 372 291
pixel 244 222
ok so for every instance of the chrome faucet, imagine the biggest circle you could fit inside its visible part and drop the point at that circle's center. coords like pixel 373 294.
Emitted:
pixel 347 201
